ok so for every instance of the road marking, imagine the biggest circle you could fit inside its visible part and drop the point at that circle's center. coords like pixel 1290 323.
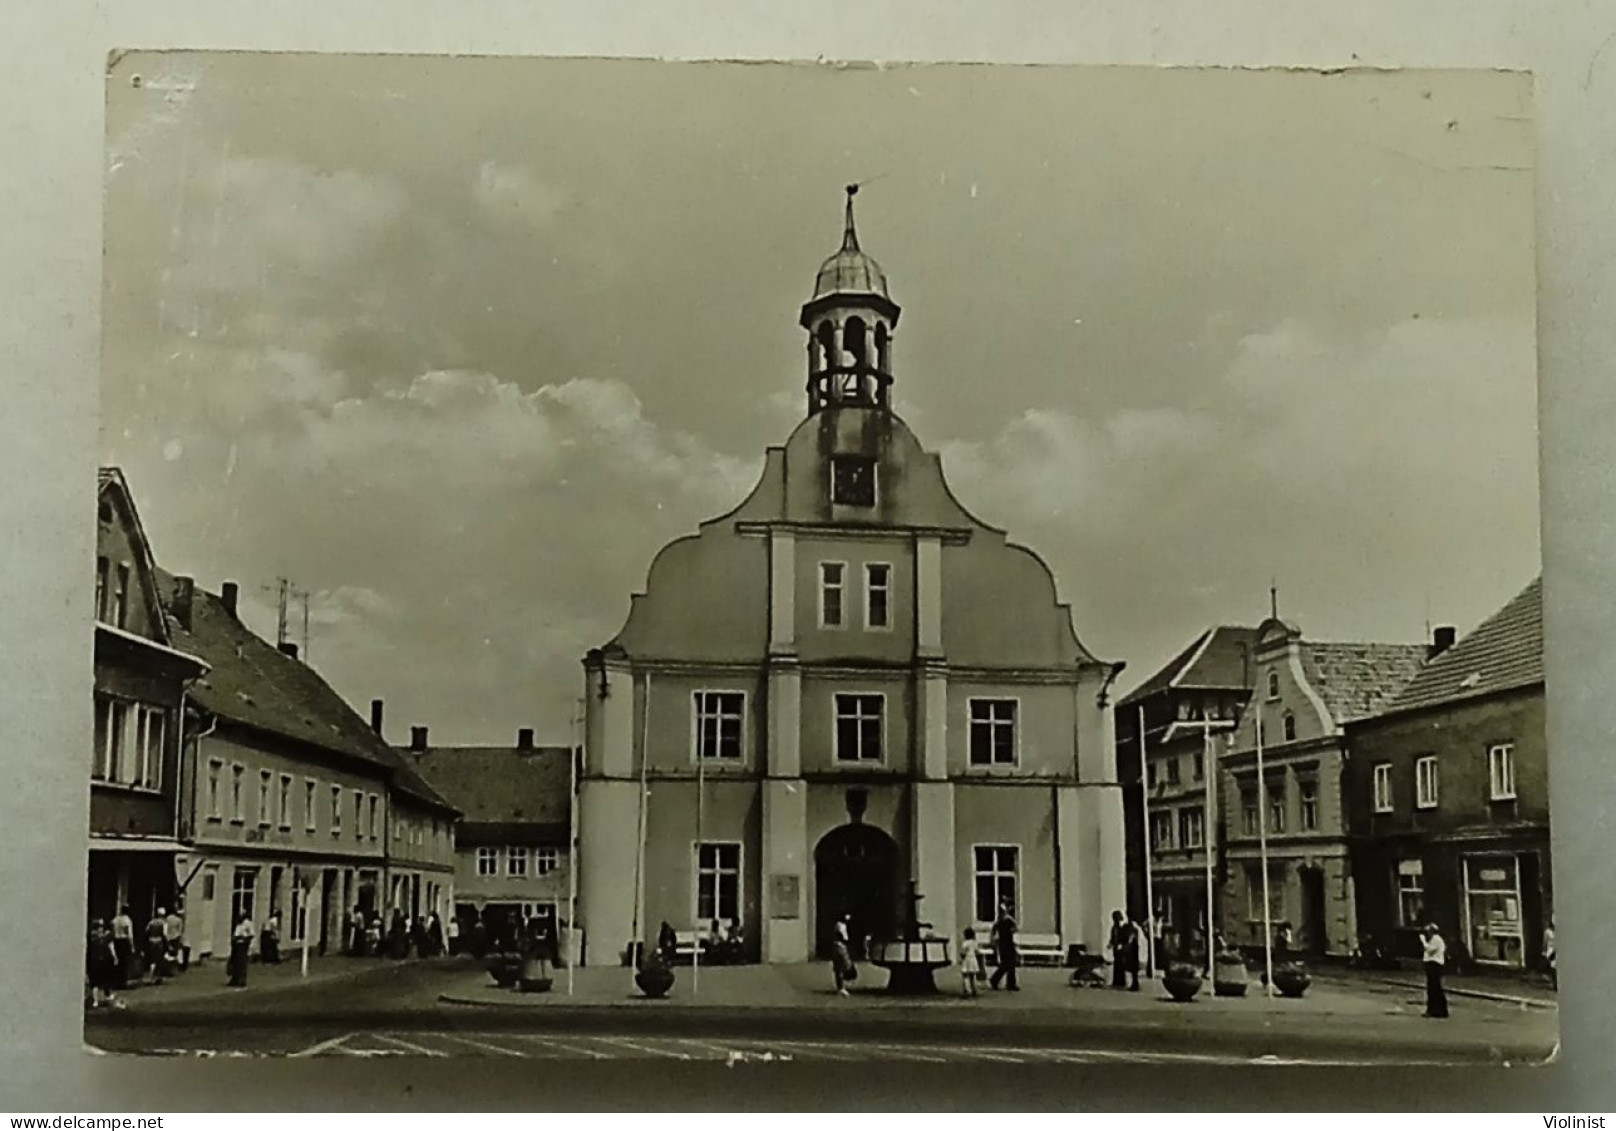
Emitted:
pixel 812 1048
pixel 565 1046
pixel 323 1047
pixel 484 1045
pixel 903 1053
pixel 649 1050
pixel 411 1046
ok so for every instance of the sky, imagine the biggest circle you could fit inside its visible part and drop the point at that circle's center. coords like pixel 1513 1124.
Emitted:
pixel 457 345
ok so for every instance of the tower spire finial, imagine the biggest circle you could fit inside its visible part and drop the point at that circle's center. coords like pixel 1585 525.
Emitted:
pixel 1273 597
pixel 849 233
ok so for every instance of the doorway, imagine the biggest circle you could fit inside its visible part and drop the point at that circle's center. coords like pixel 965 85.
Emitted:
pixel 856 874
pixel 1315 933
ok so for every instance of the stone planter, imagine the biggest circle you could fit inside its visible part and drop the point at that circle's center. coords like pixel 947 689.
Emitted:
pixel 655 979
pixel 1291 980
pixel 1182 983
pixel 534 976
pixel 1229 976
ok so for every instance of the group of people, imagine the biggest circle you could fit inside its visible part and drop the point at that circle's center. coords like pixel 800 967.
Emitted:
pixel 117 957
pixel 719 945
pixel 364 935
pixel 1001 947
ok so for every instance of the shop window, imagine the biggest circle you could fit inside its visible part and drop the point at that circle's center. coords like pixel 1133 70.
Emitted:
pixel 1410 893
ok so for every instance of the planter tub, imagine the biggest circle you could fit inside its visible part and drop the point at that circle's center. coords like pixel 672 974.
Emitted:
pixel 1180 985
pixel 654 981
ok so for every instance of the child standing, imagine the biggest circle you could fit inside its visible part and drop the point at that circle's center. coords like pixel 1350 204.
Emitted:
pixel 970 961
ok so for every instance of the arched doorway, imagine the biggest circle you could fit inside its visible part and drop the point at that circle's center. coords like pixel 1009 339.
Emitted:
pixel 855 872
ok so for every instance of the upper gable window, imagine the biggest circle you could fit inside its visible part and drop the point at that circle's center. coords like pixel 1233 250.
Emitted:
pixel 1273 685
pixel 852 481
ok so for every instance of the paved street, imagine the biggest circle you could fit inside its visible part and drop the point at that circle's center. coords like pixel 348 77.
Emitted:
pixel 767 1015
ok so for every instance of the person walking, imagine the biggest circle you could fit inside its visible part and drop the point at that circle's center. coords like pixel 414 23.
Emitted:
pixel 241 937
pixel 1133 936
pixel 157 945
pixel 1283 938
pixel 1006 955
pixel 1118 945
pixel 174 940
pixel 970 961
pixel 101 967
pixel 1436 961
pixel 1549 956
pixel 269 950
pixel 842 956
pixel 123 945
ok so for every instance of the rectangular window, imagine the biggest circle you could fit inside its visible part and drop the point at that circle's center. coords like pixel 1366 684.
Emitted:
pixel 832 581
pixel 1276 808
pixel 1309 791
pixel 153 733
pixel 300 912
pixel 120 598
pixel 1200 766
pixel 993 732
pixel 859 726
pixel 877 595
pixel 1172 770
pixel 545 861
pixel 995 867
pixel 1248 811
pixel 286 801
pixel 1425 783
pixel 243 894
pixel 718 882
pixel 238 793
pixel 1254 894
pixel 487 861
pixel 1161 831
pixel 264 779
pixel 852 481
pixel 1151 774
pixel 1411 893
pixel 516 860
pixel 101 767
pixel 310 789
pixel 1191 827
pixel 1501 771
pixel 102 570
pixel 336 810
pixel 358 813
pixel 375 828
pixel 118 739
pixel 1383 787
pixel 719 715
pixel 215 772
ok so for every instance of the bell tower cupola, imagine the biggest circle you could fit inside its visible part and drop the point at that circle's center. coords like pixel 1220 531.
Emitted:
pixel 850 323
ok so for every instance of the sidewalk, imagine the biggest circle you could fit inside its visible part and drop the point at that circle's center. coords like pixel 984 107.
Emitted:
pixel 207 979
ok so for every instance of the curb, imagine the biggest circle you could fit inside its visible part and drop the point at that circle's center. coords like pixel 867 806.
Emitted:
pixel 135 1005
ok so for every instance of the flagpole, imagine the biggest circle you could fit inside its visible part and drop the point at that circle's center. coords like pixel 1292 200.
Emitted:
pixel 637 941
pixel 1262 852
pixel 695 956
pixel 1207 825
pixel 578 723
pixel 1150 893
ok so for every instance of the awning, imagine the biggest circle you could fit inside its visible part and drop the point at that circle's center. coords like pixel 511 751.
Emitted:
pixel 135 844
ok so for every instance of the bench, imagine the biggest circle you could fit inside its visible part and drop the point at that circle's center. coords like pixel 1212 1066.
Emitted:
pixel 688 944
pixel 1040 950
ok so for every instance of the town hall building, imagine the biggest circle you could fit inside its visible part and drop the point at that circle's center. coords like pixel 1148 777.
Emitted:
pixel 847 684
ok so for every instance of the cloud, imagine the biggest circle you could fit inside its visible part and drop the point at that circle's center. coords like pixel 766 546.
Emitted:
pixel 511 194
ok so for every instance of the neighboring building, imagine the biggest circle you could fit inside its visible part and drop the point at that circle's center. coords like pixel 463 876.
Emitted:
pixel 847 683
pixel 291 795
pixel 421 841
pixel 140 686
pixel 1449 794
pixel 1188 707
pixel 512 861
pixel 1304 693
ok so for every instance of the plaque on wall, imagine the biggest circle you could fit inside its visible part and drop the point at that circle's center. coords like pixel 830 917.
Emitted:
pixel 785 898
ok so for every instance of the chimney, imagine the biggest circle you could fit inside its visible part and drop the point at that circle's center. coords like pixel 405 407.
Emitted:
pixel 227 596
pixel 376 716
pixel 418 738
pixel 1442 638
pixel 288 648
pixel 184 600
pixel 524 738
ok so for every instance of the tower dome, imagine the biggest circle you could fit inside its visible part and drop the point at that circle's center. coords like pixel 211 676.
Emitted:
pixel 850 321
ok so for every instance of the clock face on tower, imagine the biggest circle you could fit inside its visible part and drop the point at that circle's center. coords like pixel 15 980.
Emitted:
pixel 852 481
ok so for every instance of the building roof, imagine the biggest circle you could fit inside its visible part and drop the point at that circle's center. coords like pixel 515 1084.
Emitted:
pixel 251 683
pixel 1220 657
pixel 1503 653
pixel 501 785
pixel 1359 680
pixel 850 271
